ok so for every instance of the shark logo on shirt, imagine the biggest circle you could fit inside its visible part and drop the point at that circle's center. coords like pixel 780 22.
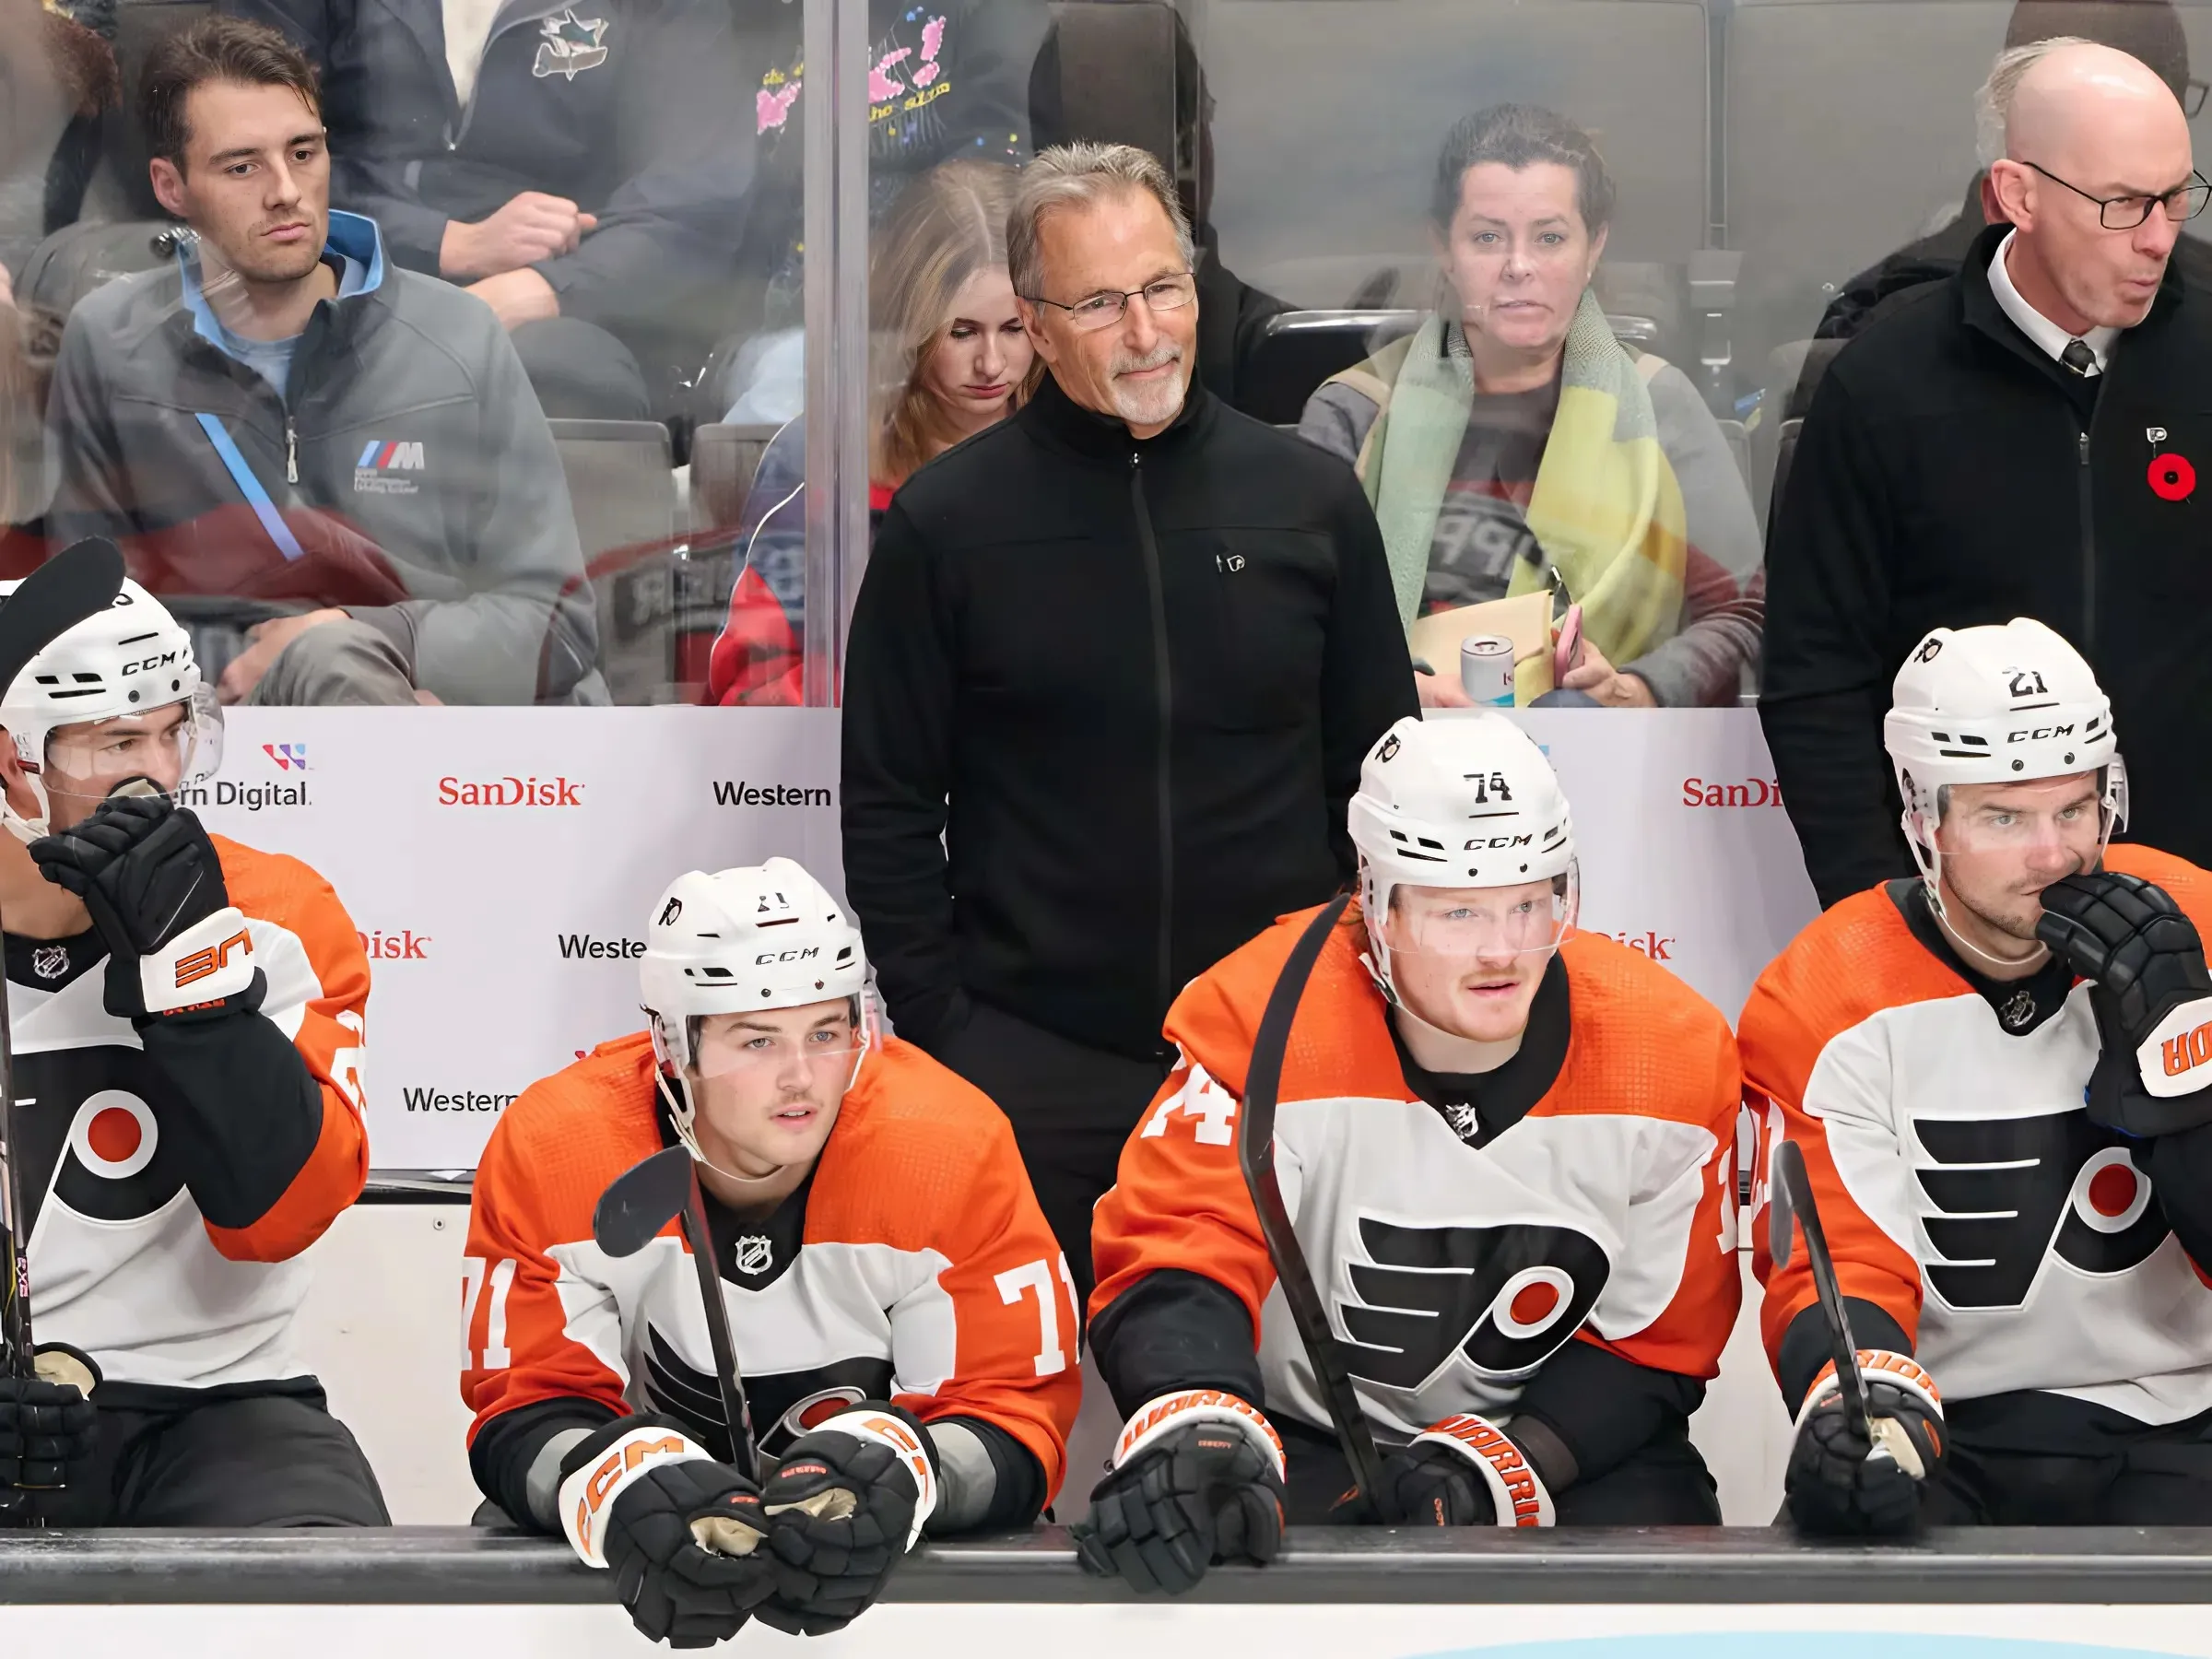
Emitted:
pixel 571 46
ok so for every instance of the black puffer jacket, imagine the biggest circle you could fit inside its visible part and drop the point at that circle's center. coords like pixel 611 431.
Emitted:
pixel 1130 684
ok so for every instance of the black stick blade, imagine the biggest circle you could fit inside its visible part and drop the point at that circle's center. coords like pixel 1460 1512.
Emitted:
pixel 641 1201
pixel 80 581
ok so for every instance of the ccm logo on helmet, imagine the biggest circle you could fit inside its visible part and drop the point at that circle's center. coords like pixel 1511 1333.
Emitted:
pixel 1495 841
pixel 2039 733
pixel 164 660
pixel 213 959
pixel 763 960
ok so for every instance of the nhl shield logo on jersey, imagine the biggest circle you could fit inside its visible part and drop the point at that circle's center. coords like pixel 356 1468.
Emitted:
pixel 755 1255
pixel 1504 1297
pixel 49 961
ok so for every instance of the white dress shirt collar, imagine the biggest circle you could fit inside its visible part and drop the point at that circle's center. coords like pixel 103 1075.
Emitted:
pixel 2048 336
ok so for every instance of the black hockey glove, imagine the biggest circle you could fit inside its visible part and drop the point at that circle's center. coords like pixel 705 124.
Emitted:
pixel 1839 1485
pixel 2152 999
pixel 1196 1477
pixel 682 1533
pixel 844 1508
pixel 48 1427
pixel 177 948
pixel 1460 1472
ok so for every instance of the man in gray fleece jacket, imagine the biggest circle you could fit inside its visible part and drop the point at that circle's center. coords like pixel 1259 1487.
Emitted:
pixel 284 417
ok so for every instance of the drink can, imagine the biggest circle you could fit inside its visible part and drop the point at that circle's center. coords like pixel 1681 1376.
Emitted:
pixel 1486 669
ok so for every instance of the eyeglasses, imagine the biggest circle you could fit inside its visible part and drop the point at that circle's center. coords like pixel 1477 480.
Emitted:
pixel 2126 212
pixel 1104 311
pixel 2193 99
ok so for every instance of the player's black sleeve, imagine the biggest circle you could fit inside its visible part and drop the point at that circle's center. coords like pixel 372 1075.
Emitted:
pixel 1604 1408
pixel 246 1112
pixel 504 1449
pixel 2180 1174
pixel 1017 1493
pixel 1806 1347
pixel 1172 1330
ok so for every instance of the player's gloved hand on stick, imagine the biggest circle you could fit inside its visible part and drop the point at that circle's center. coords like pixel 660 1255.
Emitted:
pixel 2152 997
pixel 1464 1471
pixel 682 1533
pixel 1196 1477
pixel 844 1508
pixel 1837 1485
pixel 48 1427
pixel 177 948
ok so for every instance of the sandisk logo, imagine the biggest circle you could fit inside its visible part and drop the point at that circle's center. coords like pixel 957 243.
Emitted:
pixel 511 791
pixel 1751 792
pixel 191 970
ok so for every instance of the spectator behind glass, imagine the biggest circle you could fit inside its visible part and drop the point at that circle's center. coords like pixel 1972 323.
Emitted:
pixel 2148 30
pixel 285 421
pixel 583 170
pixel 947 357
pixel 1113 667
pixel 2022 439
pixel 1516 445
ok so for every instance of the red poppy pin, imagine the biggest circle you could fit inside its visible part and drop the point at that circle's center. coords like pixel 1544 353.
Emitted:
pixel 2172 478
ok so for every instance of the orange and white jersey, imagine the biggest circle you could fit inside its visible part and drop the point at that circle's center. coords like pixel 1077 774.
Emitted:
pixel 914 1265
pixel 1451 1270
pixel 123 1262
pixel 1963 1189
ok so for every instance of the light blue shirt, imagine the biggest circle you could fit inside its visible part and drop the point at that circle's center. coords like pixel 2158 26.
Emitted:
pixel 272 359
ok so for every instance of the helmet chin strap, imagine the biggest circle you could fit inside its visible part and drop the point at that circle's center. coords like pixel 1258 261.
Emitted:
pixel 683 1117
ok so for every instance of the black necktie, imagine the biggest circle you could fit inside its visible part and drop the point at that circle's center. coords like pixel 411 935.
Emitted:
pixel 2078 358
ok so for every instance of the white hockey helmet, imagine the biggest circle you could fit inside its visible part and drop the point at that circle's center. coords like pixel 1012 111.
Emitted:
pixel 129 659
pixel 1995 704
pixel 1465 802
pixel 759 936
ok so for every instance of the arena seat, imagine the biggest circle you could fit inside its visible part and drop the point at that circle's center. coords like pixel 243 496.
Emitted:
pixel 624 498
pixel 1330 112
pixel 724 459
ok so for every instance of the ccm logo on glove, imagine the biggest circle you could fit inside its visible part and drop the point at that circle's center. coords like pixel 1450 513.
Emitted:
pixel 2173 1057
pixel 586 1495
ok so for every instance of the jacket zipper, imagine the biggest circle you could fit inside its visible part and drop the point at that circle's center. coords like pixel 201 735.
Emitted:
pixel 2089 549
pixel 291 451
pixel 1164 688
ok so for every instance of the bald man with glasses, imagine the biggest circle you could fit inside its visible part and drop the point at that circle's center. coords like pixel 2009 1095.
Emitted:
pixel 1113 670
pixel 2022 439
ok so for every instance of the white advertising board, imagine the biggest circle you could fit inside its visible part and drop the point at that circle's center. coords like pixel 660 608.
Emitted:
pixel 499 863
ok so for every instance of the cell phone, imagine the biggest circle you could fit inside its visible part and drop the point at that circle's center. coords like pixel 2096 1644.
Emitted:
pixel 1568 652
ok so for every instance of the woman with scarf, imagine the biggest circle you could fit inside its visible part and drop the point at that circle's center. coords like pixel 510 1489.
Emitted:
pixel 1511 443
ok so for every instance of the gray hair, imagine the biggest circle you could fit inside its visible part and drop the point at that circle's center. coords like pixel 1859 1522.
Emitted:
pixel 1992 104
pixel 1075 175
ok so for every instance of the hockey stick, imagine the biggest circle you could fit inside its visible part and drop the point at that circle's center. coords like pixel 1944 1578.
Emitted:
pixel 1255 1156
pixel 1790 1200
pixel 636 1205
pixel 80 581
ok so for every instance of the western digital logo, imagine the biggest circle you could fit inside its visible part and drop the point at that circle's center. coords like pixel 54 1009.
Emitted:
pixel 578 947
pixel 459 1100
pixel 736 791
pixel 393 456
pixel 289 756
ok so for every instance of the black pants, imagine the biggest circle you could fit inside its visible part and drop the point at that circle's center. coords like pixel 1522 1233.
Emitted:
pixel 213 1457
pixel 1073 1109
pixel 2034 1459
pixel 580 371
pixel 1664 1483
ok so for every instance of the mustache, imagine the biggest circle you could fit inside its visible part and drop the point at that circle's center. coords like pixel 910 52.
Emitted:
pixel 1131 362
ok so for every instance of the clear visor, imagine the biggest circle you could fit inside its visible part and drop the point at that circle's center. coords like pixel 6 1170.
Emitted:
pixel 1479 925
pixel 2049 820
pixel 735 1044
pixel 172 746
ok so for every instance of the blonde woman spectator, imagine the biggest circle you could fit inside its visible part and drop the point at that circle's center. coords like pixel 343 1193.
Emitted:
pixel 947 357
pixel 1511 443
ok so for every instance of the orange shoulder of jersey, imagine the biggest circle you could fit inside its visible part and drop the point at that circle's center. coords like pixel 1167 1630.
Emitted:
pixel 1642 1042
pixel 922 1163
pixel 2184 883
pixel 550 1157
pixel 1851 964
pixel 320 996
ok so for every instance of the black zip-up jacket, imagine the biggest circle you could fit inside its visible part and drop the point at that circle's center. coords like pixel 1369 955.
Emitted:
pixel 1130 684
pixel 1950 474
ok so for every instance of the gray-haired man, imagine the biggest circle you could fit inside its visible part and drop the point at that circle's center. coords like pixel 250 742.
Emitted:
pixel 1112 673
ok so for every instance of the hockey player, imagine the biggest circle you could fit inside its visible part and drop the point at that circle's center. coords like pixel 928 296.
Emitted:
pixel 1507 1147
pixel 2014 1167
pixel 905 1323
pixel 187 1015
